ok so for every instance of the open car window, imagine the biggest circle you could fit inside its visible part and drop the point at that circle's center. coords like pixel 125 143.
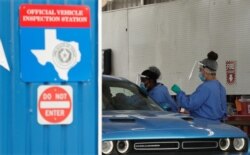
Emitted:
pixel 123 95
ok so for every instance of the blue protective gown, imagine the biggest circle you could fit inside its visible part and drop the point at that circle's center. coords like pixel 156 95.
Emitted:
pixel 162 97
pixel 208 101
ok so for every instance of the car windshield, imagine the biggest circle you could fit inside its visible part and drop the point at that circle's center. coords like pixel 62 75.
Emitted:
pixel 124 95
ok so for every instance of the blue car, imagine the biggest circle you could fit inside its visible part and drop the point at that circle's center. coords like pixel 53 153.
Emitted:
pixel 133 124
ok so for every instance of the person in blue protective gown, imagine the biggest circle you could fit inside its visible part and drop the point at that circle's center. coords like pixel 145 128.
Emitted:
pixel 156 90
pixel 209 99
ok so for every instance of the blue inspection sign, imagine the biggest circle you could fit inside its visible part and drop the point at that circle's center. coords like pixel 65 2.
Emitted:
pixel 55 43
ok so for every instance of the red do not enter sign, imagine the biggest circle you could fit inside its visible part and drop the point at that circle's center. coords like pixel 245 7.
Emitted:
pixel 55 104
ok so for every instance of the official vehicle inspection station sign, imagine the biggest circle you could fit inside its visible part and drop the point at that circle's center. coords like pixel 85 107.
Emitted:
pixel 55 43
pixel 55 104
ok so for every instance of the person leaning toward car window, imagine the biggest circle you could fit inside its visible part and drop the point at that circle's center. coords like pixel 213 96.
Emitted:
pixel 157 91
pixel 209 99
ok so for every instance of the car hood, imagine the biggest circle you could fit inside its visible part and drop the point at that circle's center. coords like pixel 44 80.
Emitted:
pixel 162 125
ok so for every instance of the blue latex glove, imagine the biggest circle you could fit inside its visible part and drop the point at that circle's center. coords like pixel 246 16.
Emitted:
pixel 175 88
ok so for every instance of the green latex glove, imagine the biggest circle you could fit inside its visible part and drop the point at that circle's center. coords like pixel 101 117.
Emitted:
pixel 175 88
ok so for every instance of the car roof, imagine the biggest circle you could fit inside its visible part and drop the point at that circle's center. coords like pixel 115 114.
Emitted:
pixel 113 78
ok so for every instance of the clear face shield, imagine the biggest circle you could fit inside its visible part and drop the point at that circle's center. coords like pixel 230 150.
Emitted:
pixel 200 70
pixel 140 79
pixel 195 70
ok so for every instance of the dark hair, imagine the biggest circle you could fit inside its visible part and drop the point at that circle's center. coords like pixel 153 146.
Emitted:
pixel 212 56
pixel 150 75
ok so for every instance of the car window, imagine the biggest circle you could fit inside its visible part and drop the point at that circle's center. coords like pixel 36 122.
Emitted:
pixel 123 95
